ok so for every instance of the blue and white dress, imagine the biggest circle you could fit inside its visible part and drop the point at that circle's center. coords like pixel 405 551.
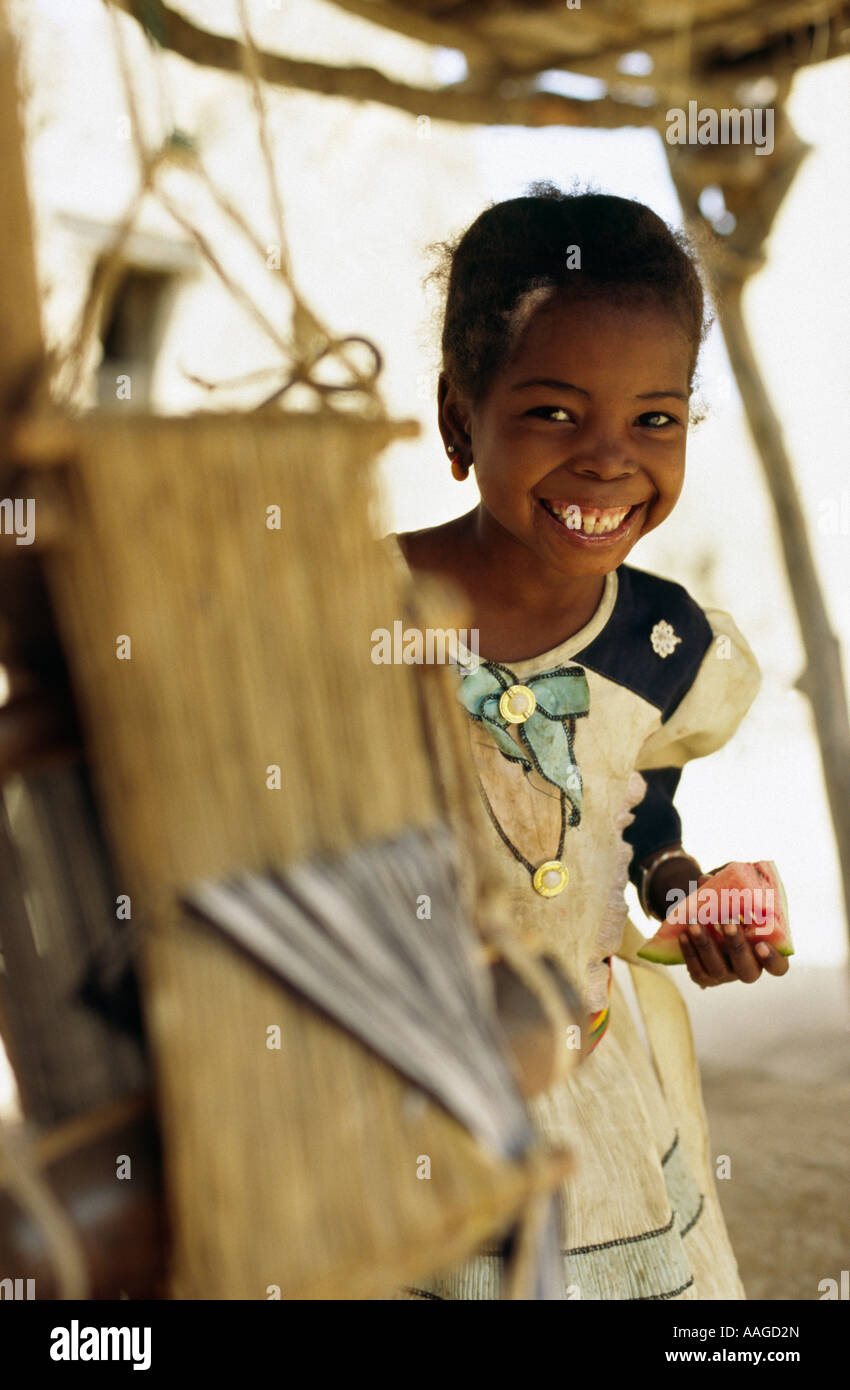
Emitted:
pixel 650 682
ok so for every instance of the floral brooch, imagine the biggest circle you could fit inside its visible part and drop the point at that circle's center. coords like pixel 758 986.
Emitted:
pixel 664 640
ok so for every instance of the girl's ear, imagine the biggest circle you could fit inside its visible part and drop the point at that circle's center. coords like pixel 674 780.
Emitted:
pixel 453 419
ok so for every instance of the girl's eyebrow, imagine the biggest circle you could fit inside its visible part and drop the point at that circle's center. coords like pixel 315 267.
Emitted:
pixel 553 384
pixel 556 385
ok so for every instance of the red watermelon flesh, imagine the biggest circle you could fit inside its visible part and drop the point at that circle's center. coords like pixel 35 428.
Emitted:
pixel 751 894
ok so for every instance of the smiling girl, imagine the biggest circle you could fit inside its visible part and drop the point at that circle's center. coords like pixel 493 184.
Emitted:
pixel 566 387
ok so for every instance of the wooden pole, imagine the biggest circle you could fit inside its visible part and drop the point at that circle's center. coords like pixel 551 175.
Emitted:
pixel 753 190
pixel 23 619
pixel 20 340
pixel 822 679
pixel 56 893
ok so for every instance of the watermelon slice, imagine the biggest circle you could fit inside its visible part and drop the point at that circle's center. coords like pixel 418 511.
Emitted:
pixel 751 894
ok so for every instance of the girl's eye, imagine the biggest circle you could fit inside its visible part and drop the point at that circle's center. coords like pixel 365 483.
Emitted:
pixel 656 419
pixel 557 413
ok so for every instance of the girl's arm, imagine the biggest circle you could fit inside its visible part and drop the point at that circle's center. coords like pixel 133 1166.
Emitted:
pixel 707 963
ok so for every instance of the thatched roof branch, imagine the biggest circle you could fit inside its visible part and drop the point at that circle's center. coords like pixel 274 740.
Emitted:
pixel 705 57
pixel 507 48
pixel 465 104
pixel 442 31
pixel 718 33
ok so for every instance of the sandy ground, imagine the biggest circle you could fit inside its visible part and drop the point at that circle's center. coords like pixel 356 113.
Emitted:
pixel 775 1061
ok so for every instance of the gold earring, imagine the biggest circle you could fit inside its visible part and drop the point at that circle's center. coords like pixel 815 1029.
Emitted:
pixel 460 470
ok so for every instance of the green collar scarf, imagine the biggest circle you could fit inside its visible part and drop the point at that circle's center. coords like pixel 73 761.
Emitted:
pixel 561 696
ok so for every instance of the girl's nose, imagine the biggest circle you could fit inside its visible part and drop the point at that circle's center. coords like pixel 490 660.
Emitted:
pixel 606 458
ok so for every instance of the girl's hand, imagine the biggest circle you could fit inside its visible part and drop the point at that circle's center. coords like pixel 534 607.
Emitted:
pixel 738 959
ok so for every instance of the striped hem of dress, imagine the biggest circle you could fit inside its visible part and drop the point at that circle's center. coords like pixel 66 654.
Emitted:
pixel 425 1296
pixel 647 1266
pixel 673 1293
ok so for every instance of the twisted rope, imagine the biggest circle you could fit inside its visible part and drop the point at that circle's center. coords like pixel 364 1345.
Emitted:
pixel 310 342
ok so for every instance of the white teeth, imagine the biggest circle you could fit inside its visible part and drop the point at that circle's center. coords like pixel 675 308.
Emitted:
pixel 591 522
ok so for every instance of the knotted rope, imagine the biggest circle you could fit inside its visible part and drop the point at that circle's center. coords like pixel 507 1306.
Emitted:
pixel 310 342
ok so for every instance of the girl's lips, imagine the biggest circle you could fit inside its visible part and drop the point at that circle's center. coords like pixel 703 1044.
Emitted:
pixel 578 537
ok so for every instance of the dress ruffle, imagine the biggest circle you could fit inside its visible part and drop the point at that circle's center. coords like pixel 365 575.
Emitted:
pixel 614 918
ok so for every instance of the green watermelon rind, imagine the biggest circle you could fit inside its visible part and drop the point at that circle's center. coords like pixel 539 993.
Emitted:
pixel 659 956
pixel 669 952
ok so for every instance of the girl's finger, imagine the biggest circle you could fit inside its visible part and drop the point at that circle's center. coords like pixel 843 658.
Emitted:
pixel 771 960
pixel 745 965
pixel 695 967
pixel 710 957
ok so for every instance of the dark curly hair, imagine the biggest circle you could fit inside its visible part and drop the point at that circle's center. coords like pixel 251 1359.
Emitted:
pixel 514 257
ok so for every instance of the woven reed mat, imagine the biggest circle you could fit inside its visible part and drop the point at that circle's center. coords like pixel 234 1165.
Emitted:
pixel 250 648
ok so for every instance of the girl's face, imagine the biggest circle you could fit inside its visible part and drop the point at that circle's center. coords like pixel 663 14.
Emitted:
pixel 579 446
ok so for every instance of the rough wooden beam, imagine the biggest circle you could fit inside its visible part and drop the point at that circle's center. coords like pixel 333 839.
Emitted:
pixel 755 203
pixel 822 681
pixel 721 50
pixel 415 24
pixel 20 324
pixel 55 903
pixel 462 104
